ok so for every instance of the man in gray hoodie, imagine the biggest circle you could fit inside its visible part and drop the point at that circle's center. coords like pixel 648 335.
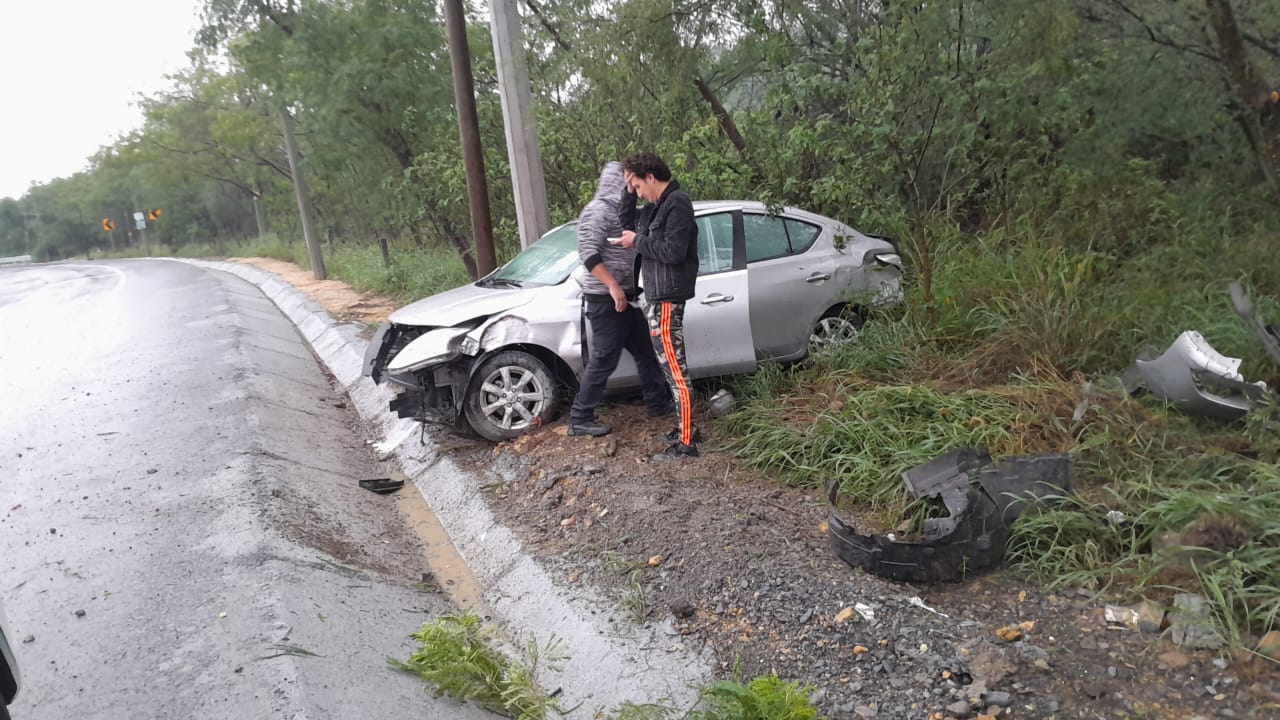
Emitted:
pixel 616 325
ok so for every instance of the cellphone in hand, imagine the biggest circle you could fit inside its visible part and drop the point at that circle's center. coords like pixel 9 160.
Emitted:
pixel 614 240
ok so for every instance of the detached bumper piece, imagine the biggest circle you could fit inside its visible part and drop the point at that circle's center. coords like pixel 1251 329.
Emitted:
pixel 1196 379
pixel 981 496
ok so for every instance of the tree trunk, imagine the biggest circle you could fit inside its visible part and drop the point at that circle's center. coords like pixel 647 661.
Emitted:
pixel 257 214
pixel 300 191
pixel 1251 93
pixel 727 124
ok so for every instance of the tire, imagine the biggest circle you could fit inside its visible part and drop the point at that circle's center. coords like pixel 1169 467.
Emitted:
pixel 510 393
pixel 837 326
pixel 4 711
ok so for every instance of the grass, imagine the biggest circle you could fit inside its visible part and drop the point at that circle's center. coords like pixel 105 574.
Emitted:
pixel 458 655
pixel 1021 318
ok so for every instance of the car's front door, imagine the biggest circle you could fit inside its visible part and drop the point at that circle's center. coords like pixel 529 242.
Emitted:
pixel 717 320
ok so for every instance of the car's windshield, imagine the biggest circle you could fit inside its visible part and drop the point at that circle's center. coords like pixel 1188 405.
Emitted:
pixel 546 262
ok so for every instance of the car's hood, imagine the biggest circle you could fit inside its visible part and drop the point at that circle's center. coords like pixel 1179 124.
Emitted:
pixel 459 305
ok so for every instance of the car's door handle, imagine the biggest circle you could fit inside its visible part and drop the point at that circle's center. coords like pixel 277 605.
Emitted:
pixel 716 299
pixel 818 277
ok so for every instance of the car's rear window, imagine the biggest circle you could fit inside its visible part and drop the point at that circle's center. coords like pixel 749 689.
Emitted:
pixel 546 262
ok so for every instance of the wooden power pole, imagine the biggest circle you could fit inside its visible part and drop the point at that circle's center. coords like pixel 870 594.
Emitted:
pixel 300 192
pixel 464 96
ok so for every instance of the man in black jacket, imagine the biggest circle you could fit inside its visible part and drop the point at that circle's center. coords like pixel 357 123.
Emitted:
pixel 665 237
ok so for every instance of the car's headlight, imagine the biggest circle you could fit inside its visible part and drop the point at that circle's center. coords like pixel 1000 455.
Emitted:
pixel 432 348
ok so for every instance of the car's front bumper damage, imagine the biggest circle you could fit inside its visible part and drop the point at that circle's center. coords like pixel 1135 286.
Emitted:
pixel 1196 379
pixel 426 365
pixel 982 497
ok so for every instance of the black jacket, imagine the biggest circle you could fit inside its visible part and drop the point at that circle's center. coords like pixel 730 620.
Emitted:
pixel 666 243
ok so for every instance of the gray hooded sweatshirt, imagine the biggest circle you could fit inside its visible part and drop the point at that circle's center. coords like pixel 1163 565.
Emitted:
pixel 598 221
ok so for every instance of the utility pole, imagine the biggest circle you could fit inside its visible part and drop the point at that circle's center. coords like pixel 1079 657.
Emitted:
pixel 464 97
pixel 300 191
pixel 522 128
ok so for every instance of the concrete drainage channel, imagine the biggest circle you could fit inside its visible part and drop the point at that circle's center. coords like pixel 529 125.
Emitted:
pixel 606 665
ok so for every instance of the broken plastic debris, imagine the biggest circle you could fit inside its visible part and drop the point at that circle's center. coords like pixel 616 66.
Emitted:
pixel 865 612
pixel 1196 379
pixel 981 496
pixel 382 486
pixel 916 601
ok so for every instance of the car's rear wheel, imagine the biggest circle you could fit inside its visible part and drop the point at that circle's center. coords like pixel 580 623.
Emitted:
pixel 511 392
pixel 837 326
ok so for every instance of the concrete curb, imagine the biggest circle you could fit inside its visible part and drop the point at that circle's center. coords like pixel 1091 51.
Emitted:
pixel 607 663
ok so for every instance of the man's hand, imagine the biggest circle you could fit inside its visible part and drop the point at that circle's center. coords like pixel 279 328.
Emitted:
pixel 619 297
pixel 628 177
pixel 628 239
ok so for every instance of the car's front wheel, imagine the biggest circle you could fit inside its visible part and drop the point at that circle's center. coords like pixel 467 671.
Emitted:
pixel 837 326
pixel 510 393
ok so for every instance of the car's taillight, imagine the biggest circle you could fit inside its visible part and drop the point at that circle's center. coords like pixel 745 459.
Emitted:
pixel 887 259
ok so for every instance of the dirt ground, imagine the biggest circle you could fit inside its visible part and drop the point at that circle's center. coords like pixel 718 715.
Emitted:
pixel 742 564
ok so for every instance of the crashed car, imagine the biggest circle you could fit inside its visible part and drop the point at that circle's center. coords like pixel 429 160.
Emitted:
pixel 490 356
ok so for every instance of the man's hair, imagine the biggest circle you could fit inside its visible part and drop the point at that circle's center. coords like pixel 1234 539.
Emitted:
pixel 645 164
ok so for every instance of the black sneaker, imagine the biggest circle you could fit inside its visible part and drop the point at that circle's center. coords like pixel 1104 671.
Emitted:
pixel 677 451
pixel 674 436
pixel 593 428
pixel 662 412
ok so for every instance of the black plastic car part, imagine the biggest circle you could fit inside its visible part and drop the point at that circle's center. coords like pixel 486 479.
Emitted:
pixel 982 498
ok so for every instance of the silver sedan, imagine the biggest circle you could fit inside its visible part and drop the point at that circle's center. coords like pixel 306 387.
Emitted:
pixel 492 356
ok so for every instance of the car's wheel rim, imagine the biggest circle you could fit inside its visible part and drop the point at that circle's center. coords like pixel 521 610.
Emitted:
pixel 832 331
pixel 512 397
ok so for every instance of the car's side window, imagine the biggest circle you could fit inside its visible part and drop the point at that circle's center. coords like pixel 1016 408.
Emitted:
pixel 766 237
pixel 715 243
pixel 801 234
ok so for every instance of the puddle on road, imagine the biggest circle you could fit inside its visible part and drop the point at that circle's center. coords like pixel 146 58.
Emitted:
pixel 451 572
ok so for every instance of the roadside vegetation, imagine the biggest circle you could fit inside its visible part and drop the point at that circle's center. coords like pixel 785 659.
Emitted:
pixel 462 657
pixel 1069 181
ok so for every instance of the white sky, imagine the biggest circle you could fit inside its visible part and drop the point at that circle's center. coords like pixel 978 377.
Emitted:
pixel 70 74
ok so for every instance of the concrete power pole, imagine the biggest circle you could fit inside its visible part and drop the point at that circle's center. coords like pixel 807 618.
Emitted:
pixel 522 128
pixel 300 191
pixel 464 96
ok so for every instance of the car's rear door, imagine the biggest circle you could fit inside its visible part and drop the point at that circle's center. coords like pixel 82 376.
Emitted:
pixel 791 282
pixel 717 320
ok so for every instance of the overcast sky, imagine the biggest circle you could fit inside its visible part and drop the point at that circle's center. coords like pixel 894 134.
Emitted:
pixel 70 74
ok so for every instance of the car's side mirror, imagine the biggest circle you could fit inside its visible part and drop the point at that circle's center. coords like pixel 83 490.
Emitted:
pixel 9 677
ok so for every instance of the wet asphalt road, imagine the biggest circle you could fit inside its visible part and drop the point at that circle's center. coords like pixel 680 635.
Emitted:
pixel 179 517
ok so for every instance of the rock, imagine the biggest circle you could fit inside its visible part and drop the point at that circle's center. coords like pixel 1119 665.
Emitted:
pixel 682 608
pixel 575 576
pixel 859 649
pixel 1190 623
pixel 996 697
pixel 1269 645
pixel 1174 660
pixel 1008 633
pixel 609 448
pixel 807 616
pixel 592 470
pixel 863 711
pixel 844 615
pixel 959 708
pixel 1150 616
pixel 28 639
pixel 567 521
pixel 79 613
pixel 655 560
pixel 1117 615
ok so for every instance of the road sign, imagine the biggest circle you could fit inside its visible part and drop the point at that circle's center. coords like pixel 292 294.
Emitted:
pixel 108 224
pixel 139 221
pixel 153 215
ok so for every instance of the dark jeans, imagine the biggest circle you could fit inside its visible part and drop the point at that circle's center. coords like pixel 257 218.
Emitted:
pixel 611 333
